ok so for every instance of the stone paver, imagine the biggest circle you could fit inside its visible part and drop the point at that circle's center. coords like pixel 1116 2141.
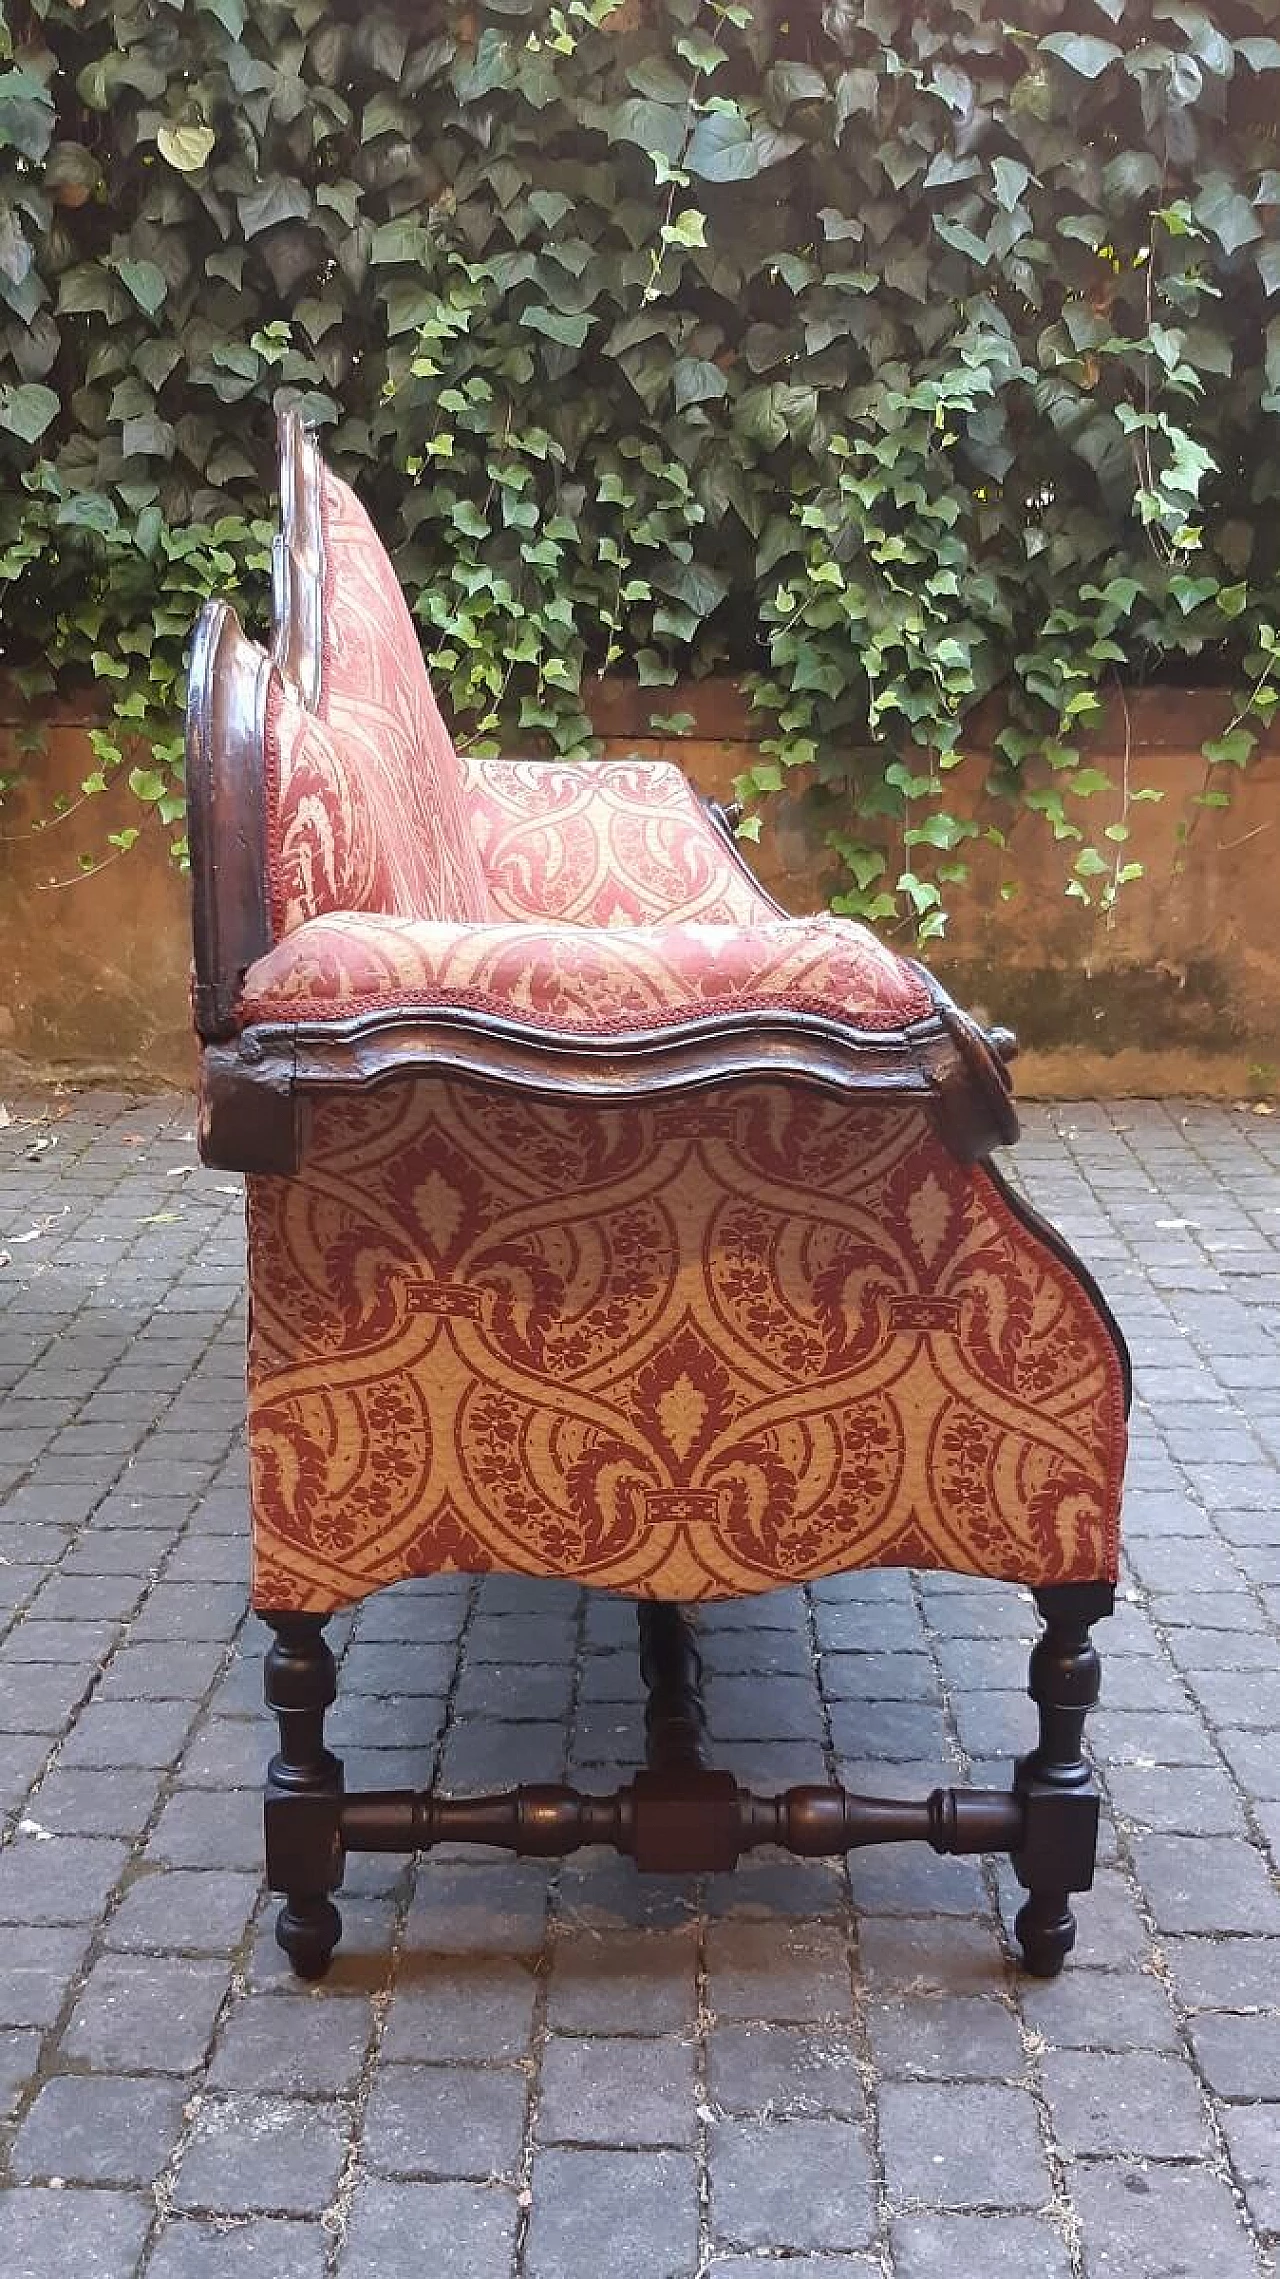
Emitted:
pixel 529 2072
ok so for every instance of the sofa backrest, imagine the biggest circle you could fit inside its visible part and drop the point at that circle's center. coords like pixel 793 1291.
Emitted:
pixel 366 785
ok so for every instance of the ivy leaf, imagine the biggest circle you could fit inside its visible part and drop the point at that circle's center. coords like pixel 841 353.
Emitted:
pixel 796 83
pixel 26 113
pixel 88 510
pixel 943 831
pixel 1190 592
pixel 27 411
pixel 276 202
pixel 409 305
pixel 1011 178
pixel 658 79
pixel 722 149
pixel 149 437
pixel 558 324
pixel 492 66
pixel 771 145
pixel 703 53
pixel 945 168
pixel 1033 94
pixel 964 240
pixel 404 240
pixel 857 92
pixel 697 381
pixel 229 13
pixel 551 207
pixel 769 415
pixel 654 126
pixel 1082 52
pixel 15 253
pixel 101 81
pixel 147 283
pixel 1260 55
pixel 186 149
pixel 1227 213
pixel 384 44
pixel 1233 750
pixel 688 228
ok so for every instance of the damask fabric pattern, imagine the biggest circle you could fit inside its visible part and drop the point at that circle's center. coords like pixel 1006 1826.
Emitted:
pixel 369 815
pixel 689 1349
pixel 580 980
pixel 605 843
pixel 337 833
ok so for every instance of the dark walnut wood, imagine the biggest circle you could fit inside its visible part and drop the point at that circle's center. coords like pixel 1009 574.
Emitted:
pixel 226 814
pixel 304 1788
pixel 1055 1855
pixel 679 1816
pixel 256 1083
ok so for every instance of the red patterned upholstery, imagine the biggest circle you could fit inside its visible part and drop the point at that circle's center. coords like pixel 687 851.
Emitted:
pixel 338 832
pixel 687 1349
pixel 618 843
pixel 366 799
pixel 582 980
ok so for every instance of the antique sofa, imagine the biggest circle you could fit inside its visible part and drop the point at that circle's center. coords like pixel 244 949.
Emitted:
pixel 605 1222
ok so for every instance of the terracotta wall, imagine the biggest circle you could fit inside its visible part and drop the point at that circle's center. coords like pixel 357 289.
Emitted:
pixel 1179 991
pixel 93 970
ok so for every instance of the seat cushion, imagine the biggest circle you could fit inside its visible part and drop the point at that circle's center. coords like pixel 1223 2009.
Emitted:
pixel 591 981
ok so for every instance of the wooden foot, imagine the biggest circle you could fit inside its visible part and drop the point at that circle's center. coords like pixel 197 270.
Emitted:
pixel 1055 1785
pixel 304 1793
pixel 1046 1931
pixel 308 1930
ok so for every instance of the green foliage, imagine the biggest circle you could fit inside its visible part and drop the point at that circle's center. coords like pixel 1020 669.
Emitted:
pixel 890 356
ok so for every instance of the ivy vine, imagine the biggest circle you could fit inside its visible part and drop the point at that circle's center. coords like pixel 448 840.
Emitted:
pixel 889 358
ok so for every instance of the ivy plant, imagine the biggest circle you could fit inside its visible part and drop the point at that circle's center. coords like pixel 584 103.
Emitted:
pixel 889 358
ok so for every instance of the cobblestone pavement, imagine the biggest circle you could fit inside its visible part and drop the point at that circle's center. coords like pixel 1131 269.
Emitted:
pixel 515 2073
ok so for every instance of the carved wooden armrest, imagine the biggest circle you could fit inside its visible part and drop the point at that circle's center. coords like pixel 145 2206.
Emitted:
pixel 353 1000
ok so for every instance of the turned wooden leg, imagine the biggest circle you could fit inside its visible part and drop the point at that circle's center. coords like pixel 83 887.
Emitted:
pixel 304 1793
pixel 1055 1783
pixel 675 1721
